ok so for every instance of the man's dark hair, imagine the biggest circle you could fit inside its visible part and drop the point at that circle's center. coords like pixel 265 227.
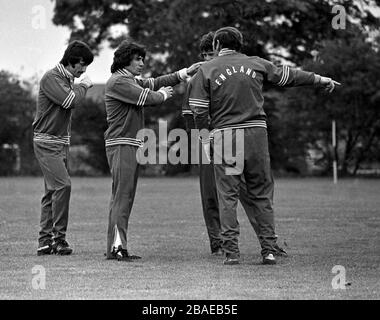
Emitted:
pixel 125 53
pixel 205 44
pixel 76 52
pixel 229 38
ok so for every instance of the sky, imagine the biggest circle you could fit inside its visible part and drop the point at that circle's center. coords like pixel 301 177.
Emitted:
pixel 31 44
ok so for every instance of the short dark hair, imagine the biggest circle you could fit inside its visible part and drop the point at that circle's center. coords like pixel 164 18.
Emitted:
pixel 77 51
pixel 125 53
pixel 205 44
pixel 229 38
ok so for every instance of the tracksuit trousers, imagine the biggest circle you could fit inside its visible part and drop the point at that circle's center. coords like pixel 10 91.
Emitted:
pixel 53 161
pixel 124 171
pixel 210 204
pixel 259 189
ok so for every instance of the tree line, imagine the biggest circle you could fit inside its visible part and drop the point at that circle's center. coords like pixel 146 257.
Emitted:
pixel 298 33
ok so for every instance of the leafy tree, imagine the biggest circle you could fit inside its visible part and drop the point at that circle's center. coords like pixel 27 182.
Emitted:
pixel 17 108
pixel 355 106
pixel 88 126
pixel 173 27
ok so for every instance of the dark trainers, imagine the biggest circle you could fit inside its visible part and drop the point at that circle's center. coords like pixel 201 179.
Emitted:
pixel 269 259
pixel 231 259
pixel 279 251
pixel 61 247
pixel 217 252
pixel 122 255
pixel 44 248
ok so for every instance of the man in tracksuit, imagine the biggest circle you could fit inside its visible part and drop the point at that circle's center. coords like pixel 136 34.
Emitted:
pixel 125 97
pixel 229 90
pixel 209 197
pixel 58 96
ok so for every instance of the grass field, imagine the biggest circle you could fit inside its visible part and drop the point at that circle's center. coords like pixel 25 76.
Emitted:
pixel 322 224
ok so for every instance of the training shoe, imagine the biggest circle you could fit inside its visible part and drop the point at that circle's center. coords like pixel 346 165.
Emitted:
pixel 61 247
pixel 269 259
pixel 217 252
pixel 122 255
pixel 279 251
pixel 44 248
pixel 231 259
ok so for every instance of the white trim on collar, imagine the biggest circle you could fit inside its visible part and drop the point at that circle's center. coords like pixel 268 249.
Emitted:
pixel 125 72
pixel 225 52
pixel 61 68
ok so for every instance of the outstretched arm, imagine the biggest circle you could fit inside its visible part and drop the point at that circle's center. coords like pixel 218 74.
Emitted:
pixel 170 79
pixel 286 76
pixel 128 91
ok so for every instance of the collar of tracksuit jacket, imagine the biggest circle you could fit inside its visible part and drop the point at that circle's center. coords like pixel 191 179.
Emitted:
pixel 125 72
pixel 225 52
pixel 67 74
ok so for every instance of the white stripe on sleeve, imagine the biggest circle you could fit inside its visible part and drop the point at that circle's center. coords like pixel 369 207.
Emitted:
pixel 69 99
pixel 151 83
pixel 199 103
pixel 142 97
pixel 285 76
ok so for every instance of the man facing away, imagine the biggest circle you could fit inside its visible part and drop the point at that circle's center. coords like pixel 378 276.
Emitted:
pixel 209 197
pixel 229 90
pixel 125 97
pixel 58 96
